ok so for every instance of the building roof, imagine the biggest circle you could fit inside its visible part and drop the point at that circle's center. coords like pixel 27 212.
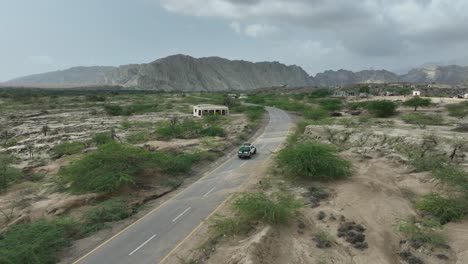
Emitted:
pixel 210 106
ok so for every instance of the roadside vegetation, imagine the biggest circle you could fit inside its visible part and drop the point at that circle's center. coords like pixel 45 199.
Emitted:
pixel 251 208
pixel 312 161
pixel 116 165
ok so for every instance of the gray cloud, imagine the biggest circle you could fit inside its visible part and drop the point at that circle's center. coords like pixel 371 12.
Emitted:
pixel 369 28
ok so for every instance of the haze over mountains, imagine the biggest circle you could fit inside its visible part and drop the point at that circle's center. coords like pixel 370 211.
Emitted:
pixel 185 73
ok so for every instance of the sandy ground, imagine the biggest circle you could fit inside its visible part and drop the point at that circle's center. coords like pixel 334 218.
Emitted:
pixel 381 192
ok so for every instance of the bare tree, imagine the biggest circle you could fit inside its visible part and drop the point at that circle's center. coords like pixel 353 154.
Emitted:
pixel 45 129
pixel 30 148
pixel 114 135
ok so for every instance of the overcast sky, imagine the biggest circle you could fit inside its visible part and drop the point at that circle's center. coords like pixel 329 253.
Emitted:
pixel 44 35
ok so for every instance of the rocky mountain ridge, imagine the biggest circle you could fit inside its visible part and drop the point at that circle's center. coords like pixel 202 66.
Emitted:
pixel 185 73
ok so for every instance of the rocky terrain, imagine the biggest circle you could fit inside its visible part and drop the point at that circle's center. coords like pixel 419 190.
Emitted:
pixel 178 72
pixel 185 73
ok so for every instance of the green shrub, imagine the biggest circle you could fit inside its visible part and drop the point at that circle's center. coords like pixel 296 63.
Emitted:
pixel 174 129
pixel 445 210
pixel 115 165
pixel 113 209
pixel 316 114
pixel 357 105
pixel 417 102
pixel 115 110
pixel 213 131
pixel 453 176
pixel 423 119
pixel 67 148
pixel 330 104
pixel 126 124
pixel 428 163
pixel 259 207
pixel 107 169
pixel 37 242
pixel 212 119
pixel 137 137
pixel 458 110
pixel 313 161
pixel 229 226
pixel 102 138
pixel 383 108
pixel 425 231
pixel 254 113
pixel 320 93
pixel 8 174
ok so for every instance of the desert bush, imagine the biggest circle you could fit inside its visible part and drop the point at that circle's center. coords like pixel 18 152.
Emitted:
pixel 316 114
pixel 458 110
pixel 313 161
pixel 423 119
pixel 382 108
pixel 428 163
pixel 319 93
pixel 8 174
pixel 213 131
pixel 229 226
pixel 452 176
pixel 102 138
pixel 417 102
pixel 115 165
pixel 107 169
pixel 137 137
pixel 115 110
pixel 67 148
pixel 113 209
pixel 330 104
pixel 37 242
pixel 175 129
pixel 259 207
pixel 254 113
pixel 95 98
pixel 426 231
pixel 212 119
pixel 444 209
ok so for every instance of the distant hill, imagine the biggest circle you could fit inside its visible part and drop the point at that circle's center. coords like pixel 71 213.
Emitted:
pixel 178 72
pixel 76 76
pixel 185 73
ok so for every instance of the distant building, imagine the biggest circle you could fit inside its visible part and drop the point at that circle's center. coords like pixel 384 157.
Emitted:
pixel 465 96
pixel 242 96
pixel 207 109
pixel 416 93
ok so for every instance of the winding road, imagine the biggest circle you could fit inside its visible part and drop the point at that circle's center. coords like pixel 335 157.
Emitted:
pixel 153 237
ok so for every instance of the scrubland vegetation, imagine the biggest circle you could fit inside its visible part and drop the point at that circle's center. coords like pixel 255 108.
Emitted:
pixel 107 143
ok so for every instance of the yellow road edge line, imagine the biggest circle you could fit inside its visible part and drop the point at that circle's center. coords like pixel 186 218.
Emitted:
pixel 194 230
pixel 155 209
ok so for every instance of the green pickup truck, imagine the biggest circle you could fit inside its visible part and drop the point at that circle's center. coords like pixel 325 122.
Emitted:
pixel 247 150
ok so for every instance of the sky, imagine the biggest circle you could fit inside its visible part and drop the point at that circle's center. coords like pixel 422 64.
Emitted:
pixel 44 35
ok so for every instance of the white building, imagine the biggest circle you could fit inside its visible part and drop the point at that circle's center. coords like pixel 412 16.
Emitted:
pixel 207 109
pixel 465 96
pixel 416 93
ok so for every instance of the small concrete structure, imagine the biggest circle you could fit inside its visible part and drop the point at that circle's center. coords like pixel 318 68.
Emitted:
pixel 465 96
pixel 416 93
pixel 207 109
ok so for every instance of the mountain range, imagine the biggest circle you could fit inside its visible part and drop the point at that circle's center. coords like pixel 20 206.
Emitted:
pixel 185 73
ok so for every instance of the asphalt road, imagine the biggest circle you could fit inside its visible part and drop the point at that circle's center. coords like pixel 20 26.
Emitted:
pixel 153 237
